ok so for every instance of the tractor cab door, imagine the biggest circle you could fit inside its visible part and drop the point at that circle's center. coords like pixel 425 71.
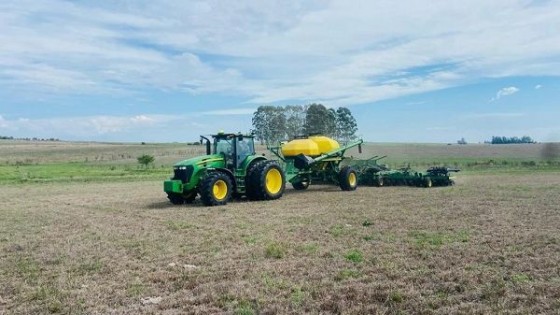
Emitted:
pixel 244 147
pixel 226 147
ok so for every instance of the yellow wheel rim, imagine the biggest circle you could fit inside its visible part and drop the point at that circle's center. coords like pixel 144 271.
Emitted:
pixel 352 179
pixel 220 189
pixel 273 181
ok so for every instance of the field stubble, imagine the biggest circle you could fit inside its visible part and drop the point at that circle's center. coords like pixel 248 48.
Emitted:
pixel 489 244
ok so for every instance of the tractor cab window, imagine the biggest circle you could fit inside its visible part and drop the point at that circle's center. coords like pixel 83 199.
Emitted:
pixel 224 146
pixel 245 148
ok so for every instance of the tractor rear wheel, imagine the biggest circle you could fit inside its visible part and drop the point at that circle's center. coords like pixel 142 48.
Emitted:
pixel 347 178
pixel 303 185
pixel 216 189
pixel 266 182
pixel 251 181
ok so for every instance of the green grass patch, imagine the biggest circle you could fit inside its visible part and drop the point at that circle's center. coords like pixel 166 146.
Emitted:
pixel 396 297
pixel 309 248
pixel 179 225
pixel 244 307
pixel 76 171
pixel 275 250
pixel 423 239
pixel 297 296
pixel 520 278
pixel 354 256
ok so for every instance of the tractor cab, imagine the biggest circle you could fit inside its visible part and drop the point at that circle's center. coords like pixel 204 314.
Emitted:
pixel 234 147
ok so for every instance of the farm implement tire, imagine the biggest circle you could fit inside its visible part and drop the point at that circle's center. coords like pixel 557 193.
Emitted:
pixel 428 182
pixel 303 185
pixel 216 189
pixel 347 178
pixel 266 181
pixel 175 199
pixel 379 181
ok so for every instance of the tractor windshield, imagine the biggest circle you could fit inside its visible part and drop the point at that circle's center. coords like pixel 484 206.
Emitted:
pixel 224 146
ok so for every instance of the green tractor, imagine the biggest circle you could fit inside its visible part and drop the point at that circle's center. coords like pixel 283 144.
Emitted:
pixel 230 168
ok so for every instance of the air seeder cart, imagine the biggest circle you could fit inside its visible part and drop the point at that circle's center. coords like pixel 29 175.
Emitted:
pixel 316 159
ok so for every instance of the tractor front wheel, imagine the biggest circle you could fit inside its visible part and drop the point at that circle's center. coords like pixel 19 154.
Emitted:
pixel 175 199
pixel 216 189
pixel 190 197
pixel 347 178
pixel 266 181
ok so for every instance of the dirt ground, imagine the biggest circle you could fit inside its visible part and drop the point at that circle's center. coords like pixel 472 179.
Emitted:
pixel 490 244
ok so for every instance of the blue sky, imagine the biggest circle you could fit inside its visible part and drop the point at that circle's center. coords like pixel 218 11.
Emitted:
pixel 162 71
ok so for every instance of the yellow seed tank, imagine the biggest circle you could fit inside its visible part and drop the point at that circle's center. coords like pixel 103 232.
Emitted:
pixel 313 146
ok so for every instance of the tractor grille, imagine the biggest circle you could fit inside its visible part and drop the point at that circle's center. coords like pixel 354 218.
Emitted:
pixel 183 173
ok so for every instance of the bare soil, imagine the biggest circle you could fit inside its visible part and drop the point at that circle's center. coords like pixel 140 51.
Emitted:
pixel 490 244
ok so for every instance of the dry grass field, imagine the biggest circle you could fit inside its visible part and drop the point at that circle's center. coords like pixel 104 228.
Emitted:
pixel 490 244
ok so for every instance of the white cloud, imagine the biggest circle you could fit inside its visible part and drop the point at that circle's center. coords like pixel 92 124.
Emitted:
pixel 3 122
pixel 538 87
pixel 505 92
pixel 272 51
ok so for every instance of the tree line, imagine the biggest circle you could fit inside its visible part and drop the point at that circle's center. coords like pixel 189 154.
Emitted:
pixel 276 123
pixel 509 140
pixel 28 139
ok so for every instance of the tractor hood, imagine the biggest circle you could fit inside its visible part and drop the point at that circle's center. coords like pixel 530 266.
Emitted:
pixel 213 160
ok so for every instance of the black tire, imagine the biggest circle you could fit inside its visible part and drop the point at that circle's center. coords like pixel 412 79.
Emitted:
pixel 303 185
pixel 190 197
pixel 379 182
pixel 348 179
pixel 216 189
pixel 266 182
pixel 251 180
pixel 428 182
pixel 175 199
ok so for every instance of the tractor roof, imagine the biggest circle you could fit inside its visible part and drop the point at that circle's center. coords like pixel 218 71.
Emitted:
pixel 222 134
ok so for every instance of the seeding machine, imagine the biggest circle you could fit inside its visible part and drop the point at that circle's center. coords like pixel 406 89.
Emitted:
pixel 231 168
pixel 372 173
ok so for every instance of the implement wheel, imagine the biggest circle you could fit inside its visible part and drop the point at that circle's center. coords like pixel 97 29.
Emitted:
pixel 428 182
pixel 379 181
pixel 347 178
pixel 303 185
pixel 216 189
pixel 266 181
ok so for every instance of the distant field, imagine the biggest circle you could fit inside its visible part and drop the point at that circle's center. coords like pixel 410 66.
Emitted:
pixel 84 230
pixel 23 161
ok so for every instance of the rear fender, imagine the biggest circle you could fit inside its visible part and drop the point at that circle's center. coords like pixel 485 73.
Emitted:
pixel 250 160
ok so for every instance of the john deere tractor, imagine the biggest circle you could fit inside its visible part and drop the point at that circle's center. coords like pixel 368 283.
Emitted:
pixel 229 169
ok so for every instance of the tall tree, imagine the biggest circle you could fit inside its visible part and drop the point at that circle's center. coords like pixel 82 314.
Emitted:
pixel 317 120
pixel 269 123
pixel 295 120
pixel 346 126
